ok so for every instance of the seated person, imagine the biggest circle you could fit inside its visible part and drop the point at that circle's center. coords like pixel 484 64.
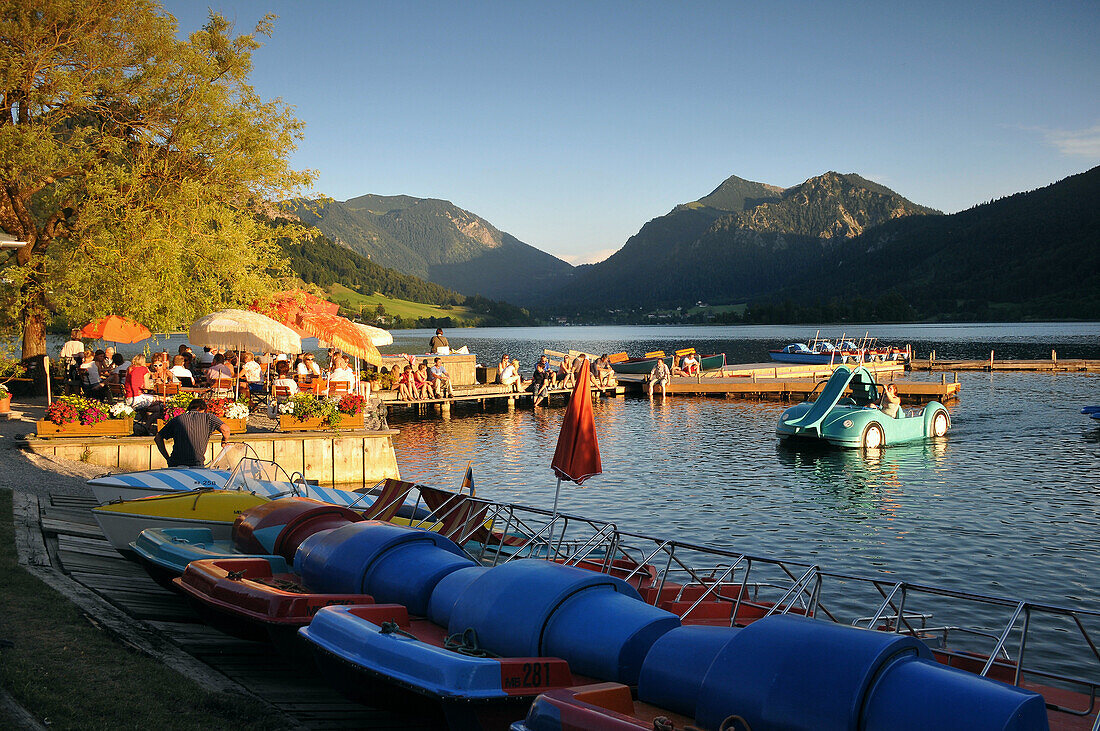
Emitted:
pixel 180 372
pixel 119 364
pixel 438 342
pixel 604 372
pixel 542 379
pixel 421 385
pixel 252 374
pixel 565 377
pixel 690 365
pixel 509 375
pixel 341 371
pixel 161 372
pixel 659 375
pixel 138 381
pixel 440 380
pixel 891 402
pixel 207 358
pixel 282 381
pixel 90 382
pixel 190 432
pixel 405 390
pixel 505 361
pixel 308 368
pixel 219 369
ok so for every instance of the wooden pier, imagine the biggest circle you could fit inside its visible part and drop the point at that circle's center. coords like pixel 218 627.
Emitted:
pixel 1055 364
pixel 794 390
pixel 59 542
pixel 483 395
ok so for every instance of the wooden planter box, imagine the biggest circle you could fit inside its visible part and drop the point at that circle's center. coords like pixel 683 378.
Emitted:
pixel 236 426
pixel 109 428
pixel 5 404
pixel 289 422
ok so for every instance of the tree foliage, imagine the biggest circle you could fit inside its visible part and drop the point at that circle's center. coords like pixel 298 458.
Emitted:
pixel 137 166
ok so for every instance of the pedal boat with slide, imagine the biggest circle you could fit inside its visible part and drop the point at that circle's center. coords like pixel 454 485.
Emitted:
pixel 843 414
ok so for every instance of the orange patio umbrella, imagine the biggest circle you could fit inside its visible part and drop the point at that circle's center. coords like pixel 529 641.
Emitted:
pixel 577 456
pixel 341 333
pixel 116 329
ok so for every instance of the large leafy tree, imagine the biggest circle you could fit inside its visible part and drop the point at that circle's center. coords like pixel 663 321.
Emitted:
pixel 139 167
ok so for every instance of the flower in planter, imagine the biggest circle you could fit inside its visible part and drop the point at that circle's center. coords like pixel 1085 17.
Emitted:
pixel 237 410
pixel 60 412
pixel 121 411
pixel 286 408
pixel 4 392
pixel 351 404
pixel 93 415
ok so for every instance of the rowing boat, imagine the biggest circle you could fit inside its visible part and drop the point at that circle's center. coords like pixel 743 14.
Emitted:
pixel 642 366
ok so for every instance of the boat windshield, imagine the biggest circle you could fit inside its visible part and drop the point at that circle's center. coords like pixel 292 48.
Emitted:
pixel 261 477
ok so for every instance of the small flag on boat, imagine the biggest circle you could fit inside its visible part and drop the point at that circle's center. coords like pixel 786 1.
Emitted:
pixel 468 480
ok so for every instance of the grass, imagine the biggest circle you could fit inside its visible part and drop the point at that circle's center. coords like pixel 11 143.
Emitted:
pixel 404 309
pixel 71 675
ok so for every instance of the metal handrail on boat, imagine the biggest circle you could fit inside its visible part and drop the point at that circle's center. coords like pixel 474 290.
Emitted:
pixel 786 584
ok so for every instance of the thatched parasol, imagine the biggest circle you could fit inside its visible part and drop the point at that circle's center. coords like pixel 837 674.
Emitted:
pixel 377 335
pixel 341 333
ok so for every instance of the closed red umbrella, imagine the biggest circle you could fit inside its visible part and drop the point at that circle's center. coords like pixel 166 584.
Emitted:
pixel 116 329
pixel 577 456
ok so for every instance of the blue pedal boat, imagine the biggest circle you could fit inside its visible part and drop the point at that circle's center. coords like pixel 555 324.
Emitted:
pixel 843 415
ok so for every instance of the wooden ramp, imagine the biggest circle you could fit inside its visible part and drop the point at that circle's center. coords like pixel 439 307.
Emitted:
pixel 77 547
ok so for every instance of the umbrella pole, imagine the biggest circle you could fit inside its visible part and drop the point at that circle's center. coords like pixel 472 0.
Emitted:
pixel 557 492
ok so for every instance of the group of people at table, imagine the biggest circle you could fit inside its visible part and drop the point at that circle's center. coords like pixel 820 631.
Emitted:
pixel 101 373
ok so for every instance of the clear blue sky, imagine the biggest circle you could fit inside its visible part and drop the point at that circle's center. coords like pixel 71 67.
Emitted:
pixel 569 125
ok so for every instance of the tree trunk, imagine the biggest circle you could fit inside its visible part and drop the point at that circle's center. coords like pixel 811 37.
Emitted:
pixel 34 331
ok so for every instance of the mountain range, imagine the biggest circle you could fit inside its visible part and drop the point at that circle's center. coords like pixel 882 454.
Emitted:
pixel 440 242
pixel 834 239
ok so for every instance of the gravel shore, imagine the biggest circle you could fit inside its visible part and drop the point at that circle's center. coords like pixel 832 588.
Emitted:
pixel 22 470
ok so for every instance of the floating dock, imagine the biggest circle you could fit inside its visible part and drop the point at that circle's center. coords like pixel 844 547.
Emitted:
pixel 1055 364
pixel 482 395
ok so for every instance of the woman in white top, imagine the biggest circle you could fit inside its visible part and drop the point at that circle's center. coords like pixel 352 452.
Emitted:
pixel 282 380
pixel 308 367
pixel 510 375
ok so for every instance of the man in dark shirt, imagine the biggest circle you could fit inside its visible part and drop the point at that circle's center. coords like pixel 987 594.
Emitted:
pixel 541 381
pixel 438 341
pixel 191 433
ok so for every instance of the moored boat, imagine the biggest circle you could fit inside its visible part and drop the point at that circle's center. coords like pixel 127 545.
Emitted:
pixel 643 365
pixel 271 531
pixel 214 510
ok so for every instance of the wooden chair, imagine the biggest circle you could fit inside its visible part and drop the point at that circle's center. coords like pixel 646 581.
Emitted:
pixel 319 386
pixel 164 390
pixel 221 387
pixel 338 388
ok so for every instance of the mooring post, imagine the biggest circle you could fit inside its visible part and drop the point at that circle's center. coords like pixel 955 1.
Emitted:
pixel 956 376
pixel 991 360
pixel 1054 355
pixel 943 379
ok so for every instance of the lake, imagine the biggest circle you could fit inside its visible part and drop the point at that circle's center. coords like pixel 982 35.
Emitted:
pixel 1006 505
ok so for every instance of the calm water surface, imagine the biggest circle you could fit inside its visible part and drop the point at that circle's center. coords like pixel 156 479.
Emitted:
pixel 1006 505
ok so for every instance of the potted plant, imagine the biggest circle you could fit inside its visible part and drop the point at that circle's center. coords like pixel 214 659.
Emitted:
pixel 80 416
pixel 5 399
pixel 305 411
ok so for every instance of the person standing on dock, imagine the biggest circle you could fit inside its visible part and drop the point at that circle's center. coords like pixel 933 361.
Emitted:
pixel 190 432
pixel 659 375
pixel 439 343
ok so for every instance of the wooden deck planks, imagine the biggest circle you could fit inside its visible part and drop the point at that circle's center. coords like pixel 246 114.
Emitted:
pixel 294 688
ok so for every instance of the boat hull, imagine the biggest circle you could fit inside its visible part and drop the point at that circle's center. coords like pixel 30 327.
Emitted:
pixel 644 365
pixel 215 510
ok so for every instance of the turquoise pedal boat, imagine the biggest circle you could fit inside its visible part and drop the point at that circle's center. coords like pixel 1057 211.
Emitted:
pixel 843 415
